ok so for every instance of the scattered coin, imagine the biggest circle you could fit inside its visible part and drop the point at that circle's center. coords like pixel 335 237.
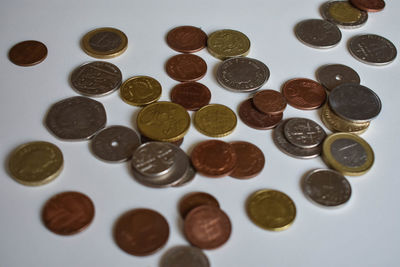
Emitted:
pixel 195 199
pixel 250 160
pixel 145 139
pixel 304 93
pixel 184 256
pixel 215 120
pixel 343 14
pixel 187 177
pixel 27 53
pixel 318 33
pixel 334 75
pixel 140 90
pixel 369 5
pixel 191 95
pixel 224 44
pixel 187 39
pixel 303 132
pixel 256 119
pixel 270 102
pixel 186 68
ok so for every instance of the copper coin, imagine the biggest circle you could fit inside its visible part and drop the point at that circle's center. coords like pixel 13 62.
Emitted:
pixel 191 95
pixel 369 5
pixel 256 119
pixel 214 158
pixel 145 139
pixel 27 53
pixel 269 102
pixel 207 227
pixel 186 68
pixel 187 39
pixel 141 232
pixel 304 93
pixel 195 199
pixel 250 160
pixel 68 213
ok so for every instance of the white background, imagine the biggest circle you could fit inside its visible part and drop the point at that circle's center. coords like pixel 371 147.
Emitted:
pixel 364 232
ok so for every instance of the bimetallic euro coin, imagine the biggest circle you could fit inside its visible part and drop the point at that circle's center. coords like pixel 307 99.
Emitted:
pixel 140 91
pixel 215 120
pixel 224 44
pixel 318 33
pixel 343 14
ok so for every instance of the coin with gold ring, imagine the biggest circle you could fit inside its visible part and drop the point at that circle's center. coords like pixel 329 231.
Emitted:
pixel 344 14
pixel 140 90
pixel 215 120
pixel 224 44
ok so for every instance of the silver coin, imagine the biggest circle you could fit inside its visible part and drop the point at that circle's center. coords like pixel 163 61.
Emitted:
pixel 76 118
pixel 343 14
pixel 334 75
pixel 318 33
pixel 242 74
pixel 187 177
pixel 115 143
pixel 326 187
pixel 372 49
pixel 349 152
pixel 303 132
pixel 96 78
pixel 354 102
pixel 184 256
pixel 286 147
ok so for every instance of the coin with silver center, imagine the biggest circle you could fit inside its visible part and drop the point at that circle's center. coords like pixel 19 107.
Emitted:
pixel 184 256
pixel 334 75
pixel 343 14
pixel 303 132
pixel 318 33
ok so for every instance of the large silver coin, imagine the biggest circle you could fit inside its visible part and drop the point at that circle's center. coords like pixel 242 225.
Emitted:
pixel 76 118
pixel 187 177
pixel 318 33
pixel 343 14
pixel 334 75
pixel 184 256
pixel 303 132
pixel 241 74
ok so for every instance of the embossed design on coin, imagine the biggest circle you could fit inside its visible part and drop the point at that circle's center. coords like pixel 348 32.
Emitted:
pixel 369 5
pixel 225 44
pixel 191 95
pixel 256 119
pixel 250 160
pixel 186 68
pixel 343 14
pixel 187 39
pixel 269 102
pixel 140 90
pixel 184 256
pixel 195 199
pixel 104 43
pixel 304 93
pixel 27 53
pixel 303 132
pixel 334 75
pixel 215 120
pixel 318 33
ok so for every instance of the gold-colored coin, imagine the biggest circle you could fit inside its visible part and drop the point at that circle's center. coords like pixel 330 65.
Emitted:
pixel 224 44
pixel 104 43
pixel 215 120
pixel 140 90
pixel 35 163
pixel 163 121
pixel 347 153
pixel 344 12
pixel 271 209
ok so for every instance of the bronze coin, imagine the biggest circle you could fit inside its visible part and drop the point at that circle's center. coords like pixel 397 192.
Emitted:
pixel 68 213
pixel 187 39
pixel 369 5
pixel 186 68
pixel 256 119
pixel 214 158
pixel 27 53
pixel 195 199
pixel 269 102
pixel 145 139
pixel 250 160
pixel 141 232
pixel 191 95
pixel 304 93
pixel 207 227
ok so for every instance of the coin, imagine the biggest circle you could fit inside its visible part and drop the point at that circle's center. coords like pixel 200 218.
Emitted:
pixel 115 143
pixel 326 187
pixel 318 33
pixel 141 232
pixel 186 256
pixel 348 153
pixel 195 199
pixel 68 213
pixel 271 209
pixel 145 139
pixel 333 75
pixel 35 163
pixel 96 78
pixel 343 14
pixel 270 102
pixel 215 120
pixel 140 90
pixel 186 68
pixel 187 39
pixel 191 95
pixel 224 44
pixel 104 43
pixel 187 177
pixel 242 74
pixel 256 119
pixel 303 132
pixel 250 160
pixel 304 93
pixel 76 118
pixel 207 227
pixel 369 5
pixel 27 53
pixel 372 49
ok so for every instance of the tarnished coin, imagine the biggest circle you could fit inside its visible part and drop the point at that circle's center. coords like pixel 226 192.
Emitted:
pixel 318 33
pixel 242 74
pixel 27 53
pixel 326 187
pixel 96 78
pixel 191 95
pixel 304 93
pixel 115 143
pixel 76 118
pixel 140 90
pixel 372 49
pixel 256 119
pixel 225 44
pixel 215 120
pixel 184 256
pixel 186 68
pixel 250 160
pixel 333 75
pixel 145 139
pixel 187 39
pixel 343 14
pixel 195 199
pixel 269 102
pixel 141 232
pixel 369 5
pixel 303 132
pixel 104 43
pixel 68 213
pixel 35 163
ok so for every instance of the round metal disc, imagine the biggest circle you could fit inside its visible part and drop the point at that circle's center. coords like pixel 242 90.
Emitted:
pixel 318 33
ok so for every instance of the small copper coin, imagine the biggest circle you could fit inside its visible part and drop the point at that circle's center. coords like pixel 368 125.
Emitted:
pixel 369 5
pixel 250 160
pixel 269 102
pixel 207 227
pixel 187 39
pixel 27 53
pixel 145 139
pixel 304 93
pixel 256 119
pixel 141 232
pixel 186 68
pixel 68 213
pixel 214 158
pixel 191 95
pixel 195 199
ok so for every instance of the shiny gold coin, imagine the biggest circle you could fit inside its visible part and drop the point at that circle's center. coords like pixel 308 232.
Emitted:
pixel 224 44
pixel 271 209
pixel 215 120
pixel 347 153
pixel 140 90
pixel 35 163
pixel 163 121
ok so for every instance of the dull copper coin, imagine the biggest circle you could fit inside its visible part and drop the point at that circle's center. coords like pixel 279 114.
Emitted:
pixel 141 232
pixel 27 53
pixel 187 39
pixel 145 139
pixel 186 68
pixel 191 95
pixel 369 5
pixel 256 119
pixel 304 93
pixel 195 199
pixel 207 227
pixel 250 160
pixel 269 102
pixel 68 213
